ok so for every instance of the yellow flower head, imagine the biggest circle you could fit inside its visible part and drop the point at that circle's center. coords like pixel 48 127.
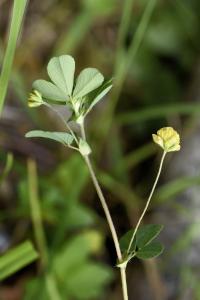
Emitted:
pixel 35 99
pixel 168 139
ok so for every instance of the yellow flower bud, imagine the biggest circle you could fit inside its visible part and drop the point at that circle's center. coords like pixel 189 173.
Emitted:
pixel 168 139
pixel 35 99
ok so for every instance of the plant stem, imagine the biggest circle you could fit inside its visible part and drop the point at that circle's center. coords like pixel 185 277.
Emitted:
pixel 108 217
pixel 124 283
pixel 148 200
pixel 39 230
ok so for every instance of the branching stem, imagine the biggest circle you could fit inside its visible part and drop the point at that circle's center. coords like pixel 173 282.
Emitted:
pixel 108 217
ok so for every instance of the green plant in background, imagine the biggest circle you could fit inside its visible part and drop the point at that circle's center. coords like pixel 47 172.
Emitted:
pixel 16 259
pixel 69 259
pixel 80 97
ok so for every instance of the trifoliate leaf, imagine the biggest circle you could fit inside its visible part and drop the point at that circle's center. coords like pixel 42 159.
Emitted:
pixel 88 80
pixel 147 233
pixel 149 251
pixel 62 137
pixel 125 240
pixel 98 94
pixel 61 71
pixel 49 91
pixel 144 236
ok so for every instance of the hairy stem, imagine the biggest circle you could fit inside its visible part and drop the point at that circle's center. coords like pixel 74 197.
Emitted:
pixel 108 217
pixel 148 200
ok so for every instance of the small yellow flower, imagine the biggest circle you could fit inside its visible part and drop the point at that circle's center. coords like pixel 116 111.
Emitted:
pixel 35 99
pixel 168 139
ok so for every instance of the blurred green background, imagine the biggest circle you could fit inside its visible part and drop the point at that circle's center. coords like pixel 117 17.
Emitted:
pixel 151 49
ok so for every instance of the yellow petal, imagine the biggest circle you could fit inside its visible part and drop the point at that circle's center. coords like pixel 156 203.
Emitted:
pixel 168 139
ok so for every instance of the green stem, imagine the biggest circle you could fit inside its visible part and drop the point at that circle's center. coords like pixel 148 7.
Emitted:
pixel 148 200
pixel 124 283
pixel 38 228
pixel 51 287
pixel 108 216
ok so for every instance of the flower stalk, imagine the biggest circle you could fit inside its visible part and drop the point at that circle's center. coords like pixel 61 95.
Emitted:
pixel 148 200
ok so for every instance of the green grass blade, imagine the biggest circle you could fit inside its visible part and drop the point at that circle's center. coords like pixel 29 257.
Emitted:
pixel 39 233
pixel 8 166
pixel 16 21
pixel 132 159
pixel 158 112
pixel 169 190
pixel 16 259
pixel 126 60
pixel 124 25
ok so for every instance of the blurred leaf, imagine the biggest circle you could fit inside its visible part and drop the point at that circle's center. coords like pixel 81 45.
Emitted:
pixel 16 259
pixel 166 35
pixel 78 216
pixel 78 277
pixel 185 240
pixel 49 91
pixel 62 137
pixel 88 80
pixel 147 233
pixel 34 289
pixel 72 255
pixel 95 240
pixel 61 71
pixel 63 178
pixel 60 191
pixel 88 282
pixel 149 251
